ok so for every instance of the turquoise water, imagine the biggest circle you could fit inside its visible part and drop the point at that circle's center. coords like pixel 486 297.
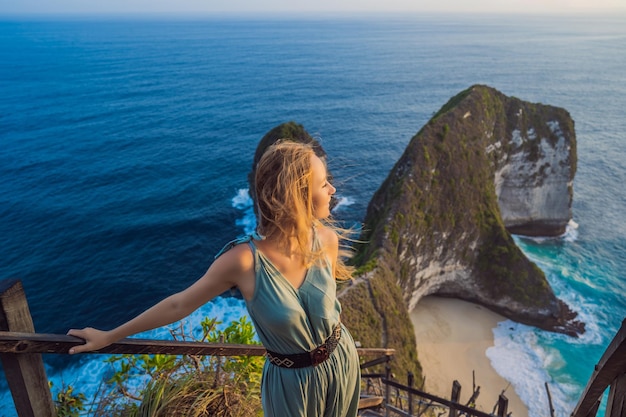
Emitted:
pixel 125 146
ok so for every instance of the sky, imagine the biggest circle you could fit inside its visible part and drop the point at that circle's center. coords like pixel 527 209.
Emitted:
pixel 308 7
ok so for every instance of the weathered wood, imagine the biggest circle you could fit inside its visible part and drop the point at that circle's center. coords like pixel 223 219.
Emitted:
pixel 455 396
pixel 503 405
pixel 398 411
pixel 387 390
pixel 549 399
pixel 25 373
pixel 615 404
pixel 472 400
pixel 594 410
pixel 370 401
pixel 20 342
pixel 53 343
pixel 448 403
pixel 387 352
pixel 409 378
pixel 370 413
pixel 610 366
pixel 21 348
pixel 377 361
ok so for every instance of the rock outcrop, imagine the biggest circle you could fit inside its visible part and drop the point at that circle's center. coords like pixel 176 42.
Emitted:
pixel 483 164
pixel 535 164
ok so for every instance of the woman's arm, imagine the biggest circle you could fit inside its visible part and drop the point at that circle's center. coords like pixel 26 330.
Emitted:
pixel 233 268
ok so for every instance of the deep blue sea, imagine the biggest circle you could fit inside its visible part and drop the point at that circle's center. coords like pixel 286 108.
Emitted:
pixel 125 143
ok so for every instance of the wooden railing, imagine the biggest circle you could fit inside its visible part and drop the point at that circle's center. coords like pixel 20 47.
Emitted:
pixel 409 401
pixel 21 349
pixel 610 372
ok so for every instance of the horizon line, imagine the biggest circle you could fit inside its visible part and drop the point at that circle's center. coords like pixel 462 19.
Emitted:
pixel 311 14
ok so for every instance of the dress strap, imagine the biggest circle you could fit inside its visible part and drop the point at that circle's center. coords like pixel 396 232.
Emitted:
pixel 241 239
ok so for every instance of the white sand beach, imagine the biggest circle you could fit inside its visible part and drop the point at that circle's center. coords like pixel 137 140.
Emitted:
pixel 452 338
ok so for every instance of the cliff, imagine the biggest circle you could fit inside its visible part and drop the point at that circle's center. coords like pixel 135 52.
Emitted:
pixel 484 166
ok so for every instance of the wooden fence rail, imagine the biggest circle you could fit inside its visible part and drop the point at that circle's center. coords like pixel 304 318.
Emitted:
pixel 610 372
pixel 453 405
pixel 21 349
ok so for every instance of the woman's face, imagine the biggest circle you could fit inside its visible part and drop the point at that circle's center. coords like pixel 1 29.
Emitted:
pixel 322 189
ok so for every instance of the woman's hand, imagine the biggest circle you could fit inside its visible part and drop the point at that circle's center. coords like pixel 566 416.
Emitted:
pixel 94 339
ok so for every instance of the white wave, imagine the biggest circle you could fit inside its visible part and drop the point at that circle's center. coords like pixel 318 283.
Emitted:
pixel 588 309
pixel 570 234
pixel 343 202
pixel 519 358
pixel 571 231
pixel 244 202
pixel 560 278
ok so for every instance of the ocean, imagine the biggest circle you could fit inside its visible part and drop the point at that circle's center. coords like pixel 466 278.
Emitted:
pixel 125 144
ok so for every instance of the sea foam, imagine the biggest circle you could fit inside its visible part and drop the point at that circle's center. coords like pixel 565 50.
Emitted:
pixel 243 202
pixel 519 358
pixel 343 202
pixel 571 231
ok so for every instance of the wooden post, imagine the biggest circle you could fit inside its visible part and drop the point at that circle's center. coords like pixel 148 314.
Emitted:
pixel 410 384
pixel 616 402
pixel 503 404
pixel 455 397
pixel 549 400
pixel 25 372
pixel 387 388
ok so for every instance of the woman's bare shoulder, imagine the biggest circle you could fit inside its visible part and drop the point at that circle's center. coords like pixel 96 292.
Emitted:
pixel 236 265
pixel 239 258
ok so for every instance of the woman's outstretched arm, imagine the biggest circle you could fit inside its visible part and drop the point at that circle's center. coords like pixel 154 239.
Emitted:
pixel 233 268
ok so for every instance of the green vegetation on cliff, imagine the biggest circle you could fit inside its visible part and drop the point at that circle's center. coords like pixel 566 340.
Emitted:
pixel 436 221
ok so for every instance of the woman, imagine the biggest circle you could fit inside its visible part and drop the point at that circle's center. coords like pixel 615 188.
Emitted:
pixel 286 274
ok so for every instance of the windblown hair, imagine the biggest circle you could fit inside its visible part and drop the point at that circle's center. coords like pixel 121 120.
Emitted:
pixel 283 183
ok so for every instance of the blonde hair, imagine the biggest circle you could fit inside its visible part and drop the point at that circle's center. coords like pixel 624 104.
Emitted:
pixel 284 201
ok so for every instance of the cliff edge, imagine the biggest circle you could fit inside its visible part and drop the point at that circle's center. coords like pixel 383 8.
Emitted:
pixel 484 166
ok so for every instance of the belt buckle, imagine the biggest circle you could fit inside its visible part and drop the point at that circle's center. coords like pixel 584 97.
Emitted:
pixel 319 355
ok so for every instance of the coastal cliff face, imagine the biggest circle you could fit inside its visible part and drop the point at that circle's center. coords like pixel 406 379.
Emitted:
pixel 483 164
pixel 535 164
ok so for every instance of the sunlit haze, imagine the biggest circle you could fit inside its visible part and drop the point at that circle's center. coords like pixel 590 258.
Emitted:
pixel 319 6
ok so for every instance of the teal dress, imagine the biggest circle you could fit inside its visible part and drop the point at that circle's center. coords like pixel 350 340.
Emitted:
pixel 292 320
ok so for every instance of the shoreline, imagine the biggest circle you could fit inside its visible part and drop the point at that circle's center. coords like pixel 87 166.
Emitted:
pixel 452 339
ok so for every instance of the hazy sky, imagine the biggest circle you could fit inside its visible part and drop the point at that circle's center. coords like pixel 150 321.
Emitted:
pixel 312 6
